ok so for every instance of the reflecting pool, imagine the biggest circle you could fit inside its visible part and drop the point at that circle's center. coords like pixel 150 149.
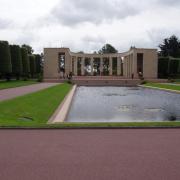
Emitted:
pixel 123 104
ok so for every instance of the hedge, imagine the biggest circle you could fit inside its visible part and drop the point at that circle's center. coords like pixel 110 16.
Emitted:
pixel 25 62
pixel 16 59
pixel 32 65
pixel 168 67
pixel 5 58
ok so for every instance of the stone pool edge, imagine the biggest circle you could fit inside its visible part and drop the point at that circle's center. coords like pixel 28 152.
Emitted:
pixel 61 112
pixel 163 89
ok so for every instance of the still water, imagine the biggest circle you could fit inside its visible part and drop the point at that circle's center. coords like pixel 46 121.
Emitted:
pixel 123 104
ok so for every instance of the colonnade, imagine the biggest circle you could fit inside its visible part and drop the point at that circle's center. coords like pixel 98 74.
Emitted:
pixel 124 65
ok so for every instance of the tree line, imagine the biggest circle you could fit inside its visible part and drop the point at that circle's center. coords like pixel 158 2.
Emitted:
pixel 19 61
pixel 169 58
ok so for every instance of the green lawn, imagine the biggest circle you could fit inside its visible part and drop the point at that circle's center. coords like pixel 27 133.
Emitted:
pixel 93 125
pixel 15 83
pixel 39 107
pixel 116 124
pixel 33 109
pixel 165 86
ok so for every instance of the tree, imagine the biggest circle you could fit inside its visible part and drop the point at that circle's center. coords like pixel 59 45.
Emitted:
pixel 81 52
pixel 107 49
pixel 29 48
pixel 32 65
pixel 5 59
pixel 16 59
pixel 38 60
pixel 170 47
pixel 25 62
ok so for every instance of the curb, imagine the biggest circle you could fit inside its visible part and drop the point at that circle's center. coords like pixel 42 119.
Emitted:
pixel 79 128
pixel 156 88
pixel 63 109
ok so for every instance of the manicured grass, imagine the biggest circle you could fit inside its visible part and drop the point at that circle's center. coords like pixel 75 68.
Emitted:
pixel 95 125
pixel 15 83
pixel 33 109
pixel 116 124
pixel 165 86
pixel 40 106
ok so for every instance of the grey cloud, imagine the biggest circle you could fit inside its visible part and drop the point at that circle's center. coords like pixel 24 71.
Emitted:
pixel 4 23
pixel 71 12
pixel 26 38
pixel 169 2
pixel 93 39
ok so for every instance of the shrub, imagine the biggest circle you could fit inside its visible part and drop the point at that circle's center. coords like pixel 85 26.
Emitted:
pixel 5 60
pixel 40 78
pixel 32 65
pixel 171 80
pixel 16 59
pixel 168 67
pixel 25 63
pixel 38 60
pixel 143 82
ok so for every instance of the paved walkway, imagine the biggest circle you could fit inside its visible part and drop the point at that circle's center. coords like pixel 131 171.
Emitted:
pixel 10 93
pixel 119 154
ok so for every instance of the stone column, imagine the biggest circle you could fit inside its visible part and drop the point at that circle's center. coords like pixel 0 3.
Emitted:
pixel 127 70
pixel 135 65
pixel 131 64
pixel 125 67
pixel 75 66
pixel 110 66
pixel 82 66
pixel 118 66
pixel 92 72
pixel 101 66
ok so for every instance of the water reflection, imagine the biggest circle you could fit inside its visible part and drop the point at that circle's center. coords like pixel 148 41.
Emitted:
pixel 121 104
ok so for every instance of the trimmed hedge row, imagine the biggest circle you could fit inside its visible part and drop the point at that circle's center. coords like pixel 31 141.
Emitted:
pixel 168 67
pixel 15 61
pixel 5 58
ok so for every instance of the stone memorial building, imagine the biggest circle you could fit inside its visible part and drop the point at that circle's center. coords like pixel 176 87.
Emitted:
pixel 60 62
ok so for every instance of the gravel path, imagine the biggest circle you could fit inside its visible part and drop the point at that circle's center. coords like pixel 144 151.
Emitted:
pixel 10 93
pixel 139 154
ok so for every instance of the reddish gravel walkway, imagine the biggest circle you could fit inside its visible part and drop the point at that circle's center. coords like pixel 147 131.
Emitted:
pixel 151 154
pixel 19 91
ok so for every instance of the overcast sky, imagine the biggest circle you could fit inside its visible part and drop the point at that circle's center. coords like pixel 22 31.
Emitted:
pixel 88 25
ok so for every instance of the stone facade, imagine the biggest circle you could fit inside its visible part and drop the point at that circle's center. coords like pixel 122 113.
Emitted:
pixel 59 62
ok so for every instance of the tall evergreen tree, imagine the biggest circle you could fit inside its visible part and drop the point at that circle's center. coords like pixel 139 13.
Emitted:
pixel 32 65
pixel 16 59
pixel 107 49
pixel 170 47
pixel 5 59
pixel 29 48
pixel 25 62
pixel 38 60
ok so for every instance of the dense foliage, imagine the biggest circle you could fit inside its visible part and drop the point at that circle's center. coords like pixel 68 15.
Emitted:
pixel 16 61
pixel 170 47
pixel 25 62
pixel 5 59
pixel 38 63
pixel 29 48
pixel 169 60
pixel 32 65
pixel 107 49
pixel 169 67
